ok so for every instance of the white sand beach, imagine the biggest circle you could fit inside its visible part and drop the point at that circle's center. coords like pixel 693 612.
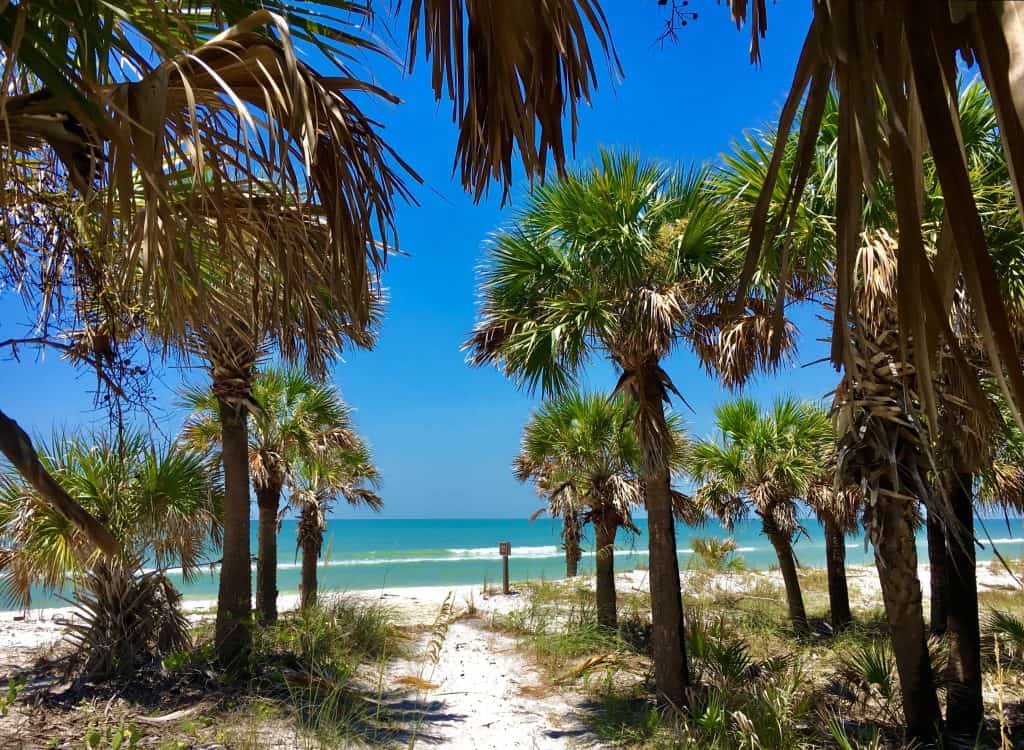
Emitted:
pixel 481 692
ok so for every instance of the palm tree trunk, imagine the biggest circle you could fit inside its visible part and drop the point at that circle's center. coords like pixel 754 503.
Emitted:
pixel 835 561
pixel 671 673
pixel 938 572
pixel 268 501
pixel 964 706
pixel 787 565
pixel 571 542
pixel 234 598
pixel 311 542
pixel 896 560
pixel 605 526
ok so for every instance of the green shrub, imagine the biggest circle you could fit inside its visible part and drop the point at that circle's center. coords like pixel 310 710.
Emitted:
pixel 712 553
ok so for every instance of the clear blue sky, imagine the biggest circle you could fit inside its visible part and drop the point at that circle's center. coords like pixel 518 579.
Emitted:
pixel 444 434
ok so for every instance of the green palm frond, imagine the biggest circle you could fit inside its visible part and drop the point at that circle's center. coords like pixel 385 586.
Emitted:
pixel 160 502
pixel 627 256
pixel 762 461
pixel 581 452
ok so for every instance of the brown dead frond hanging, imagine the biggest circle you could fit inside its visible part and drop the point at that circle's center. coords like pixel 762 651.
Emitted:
pixel 511 70
pixel 237 130
pixel 905 53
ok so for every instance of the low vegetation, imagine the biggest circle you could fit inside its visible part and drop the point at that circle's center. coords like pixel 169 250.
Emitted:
pixel 314 681
pixel 756 683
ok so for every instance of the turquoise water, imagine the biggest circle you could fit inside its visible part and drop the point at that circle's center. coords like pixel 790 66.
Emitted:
pixel 376 553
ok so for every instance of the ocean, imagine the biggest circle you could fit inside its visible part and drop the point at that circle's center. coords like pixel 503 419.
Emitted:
pixel 363 554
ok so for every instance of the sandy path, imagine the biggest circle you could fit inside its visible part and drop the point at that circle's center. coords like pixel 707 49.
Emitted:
pixel 478 703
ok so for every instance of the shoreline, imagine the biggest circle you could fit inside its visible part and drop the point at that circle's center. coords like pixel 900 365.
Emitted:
pixel 38 628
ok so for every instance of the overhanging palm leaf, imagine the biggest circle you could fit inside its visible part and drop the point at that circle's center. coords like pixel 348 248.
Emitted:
pixel 905 51
pixel 511 71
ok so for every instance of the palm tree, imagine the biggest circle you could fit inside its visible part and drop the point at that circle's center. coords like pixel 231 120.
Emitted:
pixel 98 105
pixel 164 506
pixel 624 258
pixel 958 426
pixel 582 452
pixel 838 509
pixel 763 462
pixel 561 505
pixel 344 470
pixel 160 501
pixel 295 415
pixel 897 104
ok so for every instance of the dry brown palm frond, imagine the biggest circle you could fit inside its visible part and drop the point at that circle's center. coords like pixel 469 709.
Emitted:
pixel 748 344
pixel 894 64
pixel 841 504
pixel 1003 487
pixel 124 618
pixel 235 140
pixel 339 439
pixel 363 496
pixel 511 70
pixel 687 510
pixel 620 494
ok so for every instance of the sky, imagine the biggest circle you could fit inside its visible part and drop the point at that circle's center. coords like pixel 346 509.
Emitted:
pixel 444 434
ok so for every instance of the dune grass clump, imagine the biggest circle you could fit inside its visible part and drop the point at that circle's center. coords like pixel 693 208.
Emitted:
pixel 741 701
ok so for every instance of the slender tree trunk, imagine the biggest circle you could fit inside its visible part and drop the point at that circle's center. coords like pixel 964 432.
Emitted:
pixel 268 501
pixel 835 560
pixel 605 526
pixel 896 560
pixel 964 706
pixel 787 565
pixel 938 574
pixel 234 598
pixel 671 673
pixel 311 543
pixel 571 542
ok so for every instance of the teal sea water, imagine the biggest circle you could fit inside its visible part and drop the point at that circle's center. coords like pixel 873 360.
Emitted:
pixel 361 554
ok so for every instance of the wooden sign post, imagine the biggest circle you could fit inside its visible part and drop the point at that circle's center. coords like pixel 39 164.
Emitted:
pixel 505 549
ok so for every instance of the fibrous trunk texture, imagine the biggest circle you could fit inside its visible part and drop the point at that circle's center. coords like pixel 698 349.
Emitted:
pixel 311 541
pixel 787 565
pixel 605 527
pixel 571 542
pixel 896 559
pixel 938 574
pixel 835 560
pixel 234 598
pixel 671 674
pixel 267 501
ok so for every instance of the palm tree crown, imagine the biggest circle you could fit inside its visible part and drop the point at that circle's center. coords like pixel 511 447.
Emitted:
pixel 762 461
pixel 161 503
pixel 295 415
pixel 622 257
pixel 581 452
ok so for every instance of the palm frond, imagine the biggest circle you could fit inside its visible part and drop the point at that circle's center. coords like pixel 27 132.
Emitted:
pixel 511 72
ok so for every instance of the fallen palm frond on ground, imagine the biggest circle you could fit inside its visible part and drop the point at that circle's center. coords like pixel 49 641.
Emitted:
pixel 613 660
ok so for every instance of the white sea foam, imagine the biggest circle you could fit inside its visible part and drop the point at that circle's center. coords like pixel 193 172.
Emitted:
pixel 452 555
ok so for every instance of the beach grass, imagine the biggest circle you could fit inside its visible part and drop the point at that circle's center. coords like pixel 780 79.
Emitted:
pixel 760 684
